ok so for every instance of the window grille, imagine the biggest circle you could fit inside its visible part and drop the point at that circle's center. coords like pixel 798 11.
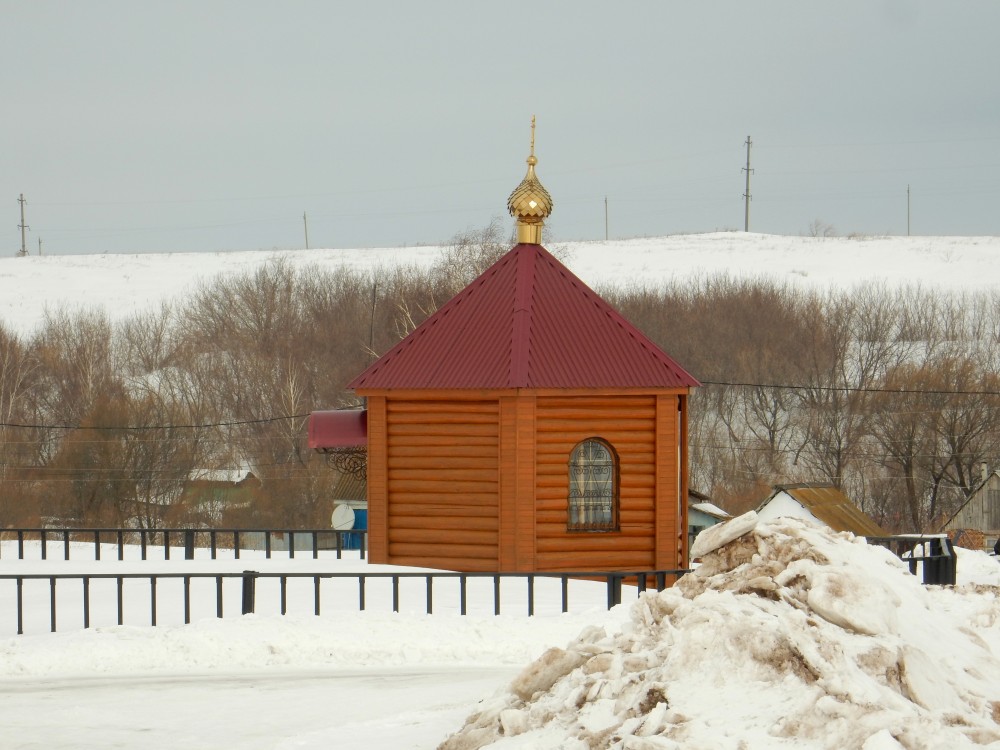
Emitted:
pixel 593 487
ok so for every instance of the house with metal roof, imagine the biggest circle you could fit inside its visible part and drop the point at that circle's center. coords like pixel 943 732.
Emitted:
pixel 525 425
pixel 981 512
pixel 702 513
pixel 821 504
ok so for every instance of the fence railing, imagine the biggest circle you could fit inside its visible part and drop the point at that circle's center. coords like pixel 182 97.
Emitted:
pixel 935 554
pixel 113 587
pixel 268 540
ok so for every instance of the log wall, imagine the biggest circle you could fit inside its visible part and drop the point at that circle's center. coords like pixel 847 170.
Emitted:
pixel 480 481
pixel 442 464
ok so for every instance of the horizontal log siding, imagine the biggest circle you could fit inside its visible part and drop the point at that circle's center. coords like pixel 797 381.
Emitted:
pixel 629 424
pixel 443 483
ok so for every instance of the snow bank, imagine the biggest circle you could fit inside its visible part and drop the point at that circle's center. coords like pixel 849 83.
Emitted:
pixel 786 636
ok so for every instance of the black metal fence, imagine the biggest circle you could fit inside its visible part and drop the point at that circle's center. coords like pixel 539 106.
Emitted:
pixel 113 591
pixel 215 540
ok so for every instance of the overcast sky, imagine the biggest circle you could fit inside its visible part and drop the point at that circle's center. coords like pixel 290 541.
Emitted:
pixel 210 125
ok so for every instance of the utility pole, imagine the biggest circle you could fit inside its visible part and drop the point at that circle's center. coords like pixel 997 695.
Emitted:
pixel 305 223
pixel 22 226
pixel 39 246
pixel 746 195
pixel 605 218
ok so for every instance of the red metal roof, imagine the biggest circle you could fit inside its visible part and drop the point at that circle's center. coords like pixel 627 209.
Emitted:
pixel 342 428
pixel 526 322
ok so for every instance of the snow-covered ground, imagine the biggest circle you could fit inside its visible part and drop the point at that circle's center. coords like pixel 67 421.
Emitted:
pixel 787 636
pixel 125 284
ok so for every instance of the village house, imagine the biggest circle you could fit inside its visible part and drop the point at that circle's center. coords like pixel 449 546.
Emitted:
pixel 979 514
pixel 821 504
pixel 702 513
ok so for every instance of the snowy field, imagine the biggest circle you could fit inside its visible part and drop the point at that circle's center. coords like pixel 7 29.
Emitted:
pixel 372 679
pixel 123 285
pixel 787 637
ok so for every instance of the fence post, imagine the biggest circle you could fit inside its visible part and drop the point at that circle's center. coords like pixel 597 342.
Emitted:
pixel 614 590
pixel 189 544
pixel 249 590
pixel 52 603
pixel 86 602
pixel 20 606
pixel 152 601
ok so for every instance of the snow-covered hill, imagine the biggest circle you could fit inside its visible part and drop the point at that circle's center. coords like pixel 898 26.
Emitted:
pixel 125 284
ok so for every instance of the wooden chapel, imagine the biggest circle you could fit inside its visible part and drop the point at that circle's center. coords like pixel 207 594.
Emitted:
pixel 524 426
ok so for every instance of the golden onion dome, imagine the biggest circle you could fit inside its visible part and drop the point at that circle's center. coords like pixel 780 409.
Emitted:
pixel 530 203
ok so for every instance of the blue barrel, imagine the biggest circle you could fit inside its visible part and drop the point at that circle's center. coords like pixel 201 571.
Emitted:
pixel 352 539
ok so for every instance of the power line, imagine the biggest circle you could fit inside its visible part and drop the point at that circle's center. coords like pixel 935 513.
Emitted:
pixel 728 384
pixel 852 389
pixel 122 428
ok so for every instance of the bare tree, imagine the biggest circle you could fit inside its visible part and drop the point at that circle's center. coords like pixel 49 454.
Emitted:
pixel 17 437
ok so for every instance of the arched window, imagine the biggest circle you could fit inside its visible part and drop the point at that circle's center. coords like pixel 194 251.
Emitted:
pixel 593 487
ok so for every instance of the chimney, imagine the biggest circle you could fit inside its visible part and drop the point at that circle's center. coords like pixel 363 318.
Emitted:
pixel 984 470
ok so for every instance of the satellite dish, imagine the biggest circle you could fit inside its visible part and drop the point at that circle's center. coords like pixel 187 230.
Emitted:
pixel 342 518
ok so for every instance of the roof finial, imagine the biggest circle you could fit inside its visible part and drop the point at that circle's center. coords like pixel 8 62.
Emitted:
pixel 530 203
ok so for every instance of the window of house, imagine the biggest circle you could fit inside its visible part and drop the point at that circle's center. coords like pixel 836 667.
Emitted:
pixel 593 487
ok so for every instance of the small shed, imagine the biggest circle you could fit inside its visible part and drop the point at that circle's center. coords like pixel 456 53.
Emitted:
pixel 702 513
pixel 527 426
pixel 820 503
pixel 981 512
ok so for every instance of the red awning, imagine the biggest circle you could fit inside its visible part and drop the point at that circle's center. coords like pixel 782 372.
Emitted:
pixel 342 428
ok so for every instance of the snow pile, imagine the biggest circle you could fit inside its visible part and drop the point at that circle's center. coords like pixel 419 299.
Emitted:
pixel 786 636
